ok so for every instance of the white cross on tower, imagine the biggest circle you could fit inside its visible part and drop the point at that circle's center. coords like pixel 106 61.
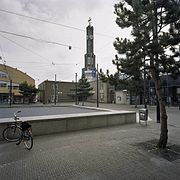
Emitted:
pixel 89 21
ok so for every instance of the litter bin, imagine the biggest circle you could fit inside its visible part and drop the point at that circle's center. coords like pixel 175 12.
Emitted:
pixel 143 115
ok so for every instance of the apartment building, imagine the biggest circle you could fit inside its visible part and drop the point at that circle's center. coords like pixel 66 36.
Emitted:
pixel 10 79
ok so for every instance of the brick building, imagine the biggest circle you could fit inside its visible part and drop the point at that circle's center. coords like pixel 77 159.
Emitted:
pixel 49 94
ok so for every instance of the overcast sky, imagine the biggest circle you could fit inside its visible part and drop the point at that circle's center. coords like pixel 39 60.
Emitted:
pixel 42 60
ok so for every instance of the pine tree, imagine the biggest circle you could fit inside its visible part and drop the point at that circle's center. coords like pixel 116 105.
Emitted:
pixel 28 91
pixel 83 89
pixel 153 47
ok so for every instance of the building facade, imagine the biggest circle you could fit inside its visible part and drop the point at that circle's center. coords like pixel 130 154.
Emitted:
pixel 170 87
pixel 65 92
pixel 106 92
pixel 56 91
pixel 10 79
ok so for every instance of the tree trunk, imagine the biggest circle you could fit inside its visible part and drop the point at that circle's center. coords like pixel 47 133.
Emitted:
pixel 164 131
pixel 163 115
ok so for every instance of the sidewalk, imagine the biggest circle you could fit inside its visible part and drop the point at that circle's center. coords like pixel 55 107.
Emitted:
pixel 113 153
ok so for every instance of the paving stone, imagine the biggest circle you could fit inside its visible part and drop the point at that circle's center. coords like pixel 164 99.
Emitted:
pixel 98 154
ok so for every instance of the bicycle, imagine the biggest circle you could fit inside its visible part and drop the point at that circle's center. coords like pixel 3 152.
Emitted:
pixel 18 132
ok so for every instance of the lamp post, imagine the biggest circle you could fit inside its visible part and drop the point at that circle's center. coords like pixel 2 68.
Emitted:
pixel 10 93
pixel 167 90
pixel 145 105
pixel 76 89
pixel 97 100
pixel 55 90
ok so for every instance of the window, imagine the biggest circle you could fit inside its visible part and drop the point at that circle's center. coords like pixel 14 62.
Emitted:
pixel 3 85
pixel 3 74
pixel 178 90
pixel 89 61
pixel 119 98
pixel 15 87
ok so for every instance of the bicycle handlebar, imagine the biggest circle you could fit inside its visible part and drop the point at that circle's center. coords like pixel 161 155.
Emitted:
pixel 15 115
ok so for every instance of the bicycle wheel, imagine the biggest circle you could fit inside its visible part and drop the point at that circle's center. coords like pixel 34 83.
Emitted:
pixel 12 133
pixel 28 139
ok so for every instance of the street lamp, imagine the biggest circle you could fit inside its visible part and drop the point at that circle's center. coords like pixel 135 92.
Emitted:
pixel 167 84
pixel 145 105
pixel 97 100
pixel 10 93
pixel 76 89
pixel 55 90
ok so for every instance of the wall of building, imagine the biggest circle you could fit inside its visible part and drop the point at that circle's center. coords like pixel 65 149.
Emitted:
pixel 122 97
pixel 17 77
pixel 63 91
pixel 106 92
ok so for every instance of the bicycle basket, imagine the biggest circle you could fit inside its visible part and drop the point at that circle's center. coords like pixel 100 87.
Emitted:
pixel 25 126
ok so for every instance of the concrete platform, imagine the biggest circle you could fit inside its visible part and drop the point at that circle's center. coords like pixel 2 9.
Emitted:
pixel 72 122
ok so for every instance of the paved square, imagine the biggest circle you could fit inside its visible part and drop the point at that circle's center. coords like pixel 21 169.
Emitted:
pixel 98 154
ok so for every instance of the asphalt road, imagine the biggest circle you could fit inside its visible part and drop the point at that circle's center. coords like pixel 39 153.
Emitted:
pixel 42 111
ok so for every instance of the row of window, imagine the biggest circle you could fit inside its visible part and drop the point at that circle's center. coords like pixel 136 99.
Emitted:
pixel 7 85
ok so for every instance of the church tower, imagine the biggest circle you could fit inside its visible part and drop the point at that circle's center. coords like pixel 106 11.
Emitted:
pixel 89 71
